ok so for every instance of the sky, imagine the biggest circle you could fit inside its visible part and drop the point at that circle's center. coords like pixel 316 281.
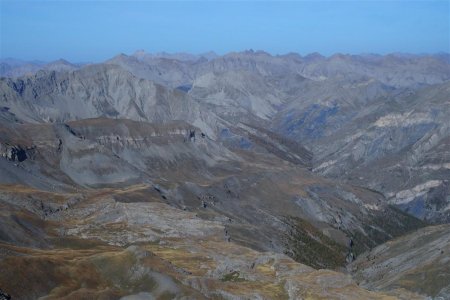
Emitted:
pixel 91 31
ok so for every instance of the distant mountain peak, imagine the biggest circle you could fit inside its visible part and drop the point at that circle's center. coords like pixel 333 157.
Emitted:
pixel 314 56
pixel 61 61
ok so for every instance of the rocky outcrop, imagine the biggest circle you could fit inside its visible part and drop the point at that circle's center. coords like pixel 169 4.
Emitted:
pixel 4 296
pixel 17 153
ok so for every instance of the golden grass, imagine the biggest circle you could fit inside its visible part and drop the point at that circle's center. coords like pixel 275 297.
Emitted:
pixel 24 191
pixel 268 290
pixel 266 269
pixel 195 263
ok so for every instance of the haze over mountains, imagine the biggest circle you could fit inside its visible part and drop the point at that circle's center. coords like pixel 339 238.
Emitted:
pixel 234 176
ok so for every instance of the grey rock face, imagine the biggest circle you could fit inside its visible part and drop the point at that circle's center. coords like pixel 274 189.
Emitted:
pixel 399 148
pixel 95 91
pixel 4 296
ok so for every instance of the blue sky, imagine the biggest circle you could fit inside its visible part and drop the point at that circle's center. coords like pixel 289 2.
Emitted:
pixel 96 30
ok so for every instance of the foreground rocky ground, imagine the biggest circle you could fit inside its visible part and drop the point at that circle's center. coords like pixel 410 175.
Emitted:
pixel 98 247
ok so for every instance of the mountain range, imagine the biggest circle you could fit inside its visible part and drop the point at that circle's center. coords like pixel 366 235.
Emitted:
pixel 236 176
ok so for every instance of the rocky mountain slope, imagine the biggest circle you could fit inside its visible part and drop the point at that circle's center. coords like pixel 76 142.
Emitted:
pixel 175 188
pixel 403 142
pixel 220 176
pixel 418 262
pixel 218 183
pixel 98 90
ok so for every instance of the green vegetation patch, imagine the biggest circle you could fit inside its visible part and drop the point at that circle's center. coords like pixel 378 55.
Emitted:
pixel 307 245
pixel 232 277
pixel 382 227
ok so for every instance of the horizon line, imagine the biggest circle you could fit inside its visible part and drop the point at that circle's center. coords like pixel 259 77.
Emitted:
pixel 250 50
